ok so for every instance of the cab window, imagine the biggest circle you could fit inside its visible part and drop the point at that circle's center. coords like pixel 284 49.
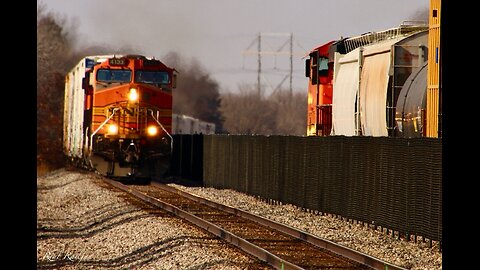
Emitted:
pixel 152 77
pixel 114 75
pixel 323 66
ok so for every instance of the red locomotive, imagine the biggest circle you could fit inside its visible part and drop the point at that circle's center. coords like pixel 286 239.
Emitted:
pixel 319 68
pixel 118 115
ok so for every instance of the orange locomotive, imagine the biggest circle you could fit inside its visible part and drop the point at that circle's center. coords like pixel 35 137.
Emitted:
pixel 118 115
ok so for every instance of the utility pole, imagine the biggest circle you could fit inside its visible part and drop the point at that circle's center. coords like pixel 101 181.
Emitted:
pixel 259 72
pixel 291 64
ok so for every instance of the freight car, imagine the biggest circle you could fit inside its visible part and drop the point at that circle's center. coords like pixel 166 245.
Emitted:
pixel 410 113
pixel 355 83
pixel 118 115
pixel 184 124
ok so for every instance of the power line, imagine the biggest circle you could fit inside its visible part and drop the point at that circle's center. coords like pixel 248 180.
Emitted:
pixel 264 38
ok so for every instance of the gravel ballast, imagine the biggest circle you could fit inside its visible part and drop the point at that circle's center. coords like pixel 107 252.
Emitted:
pixel 82 223
pixel 411 255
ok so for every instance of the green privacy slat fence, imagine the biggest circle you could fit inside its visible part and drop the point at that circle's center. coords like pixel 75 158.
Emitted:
pixel 394 182
pixel 186 161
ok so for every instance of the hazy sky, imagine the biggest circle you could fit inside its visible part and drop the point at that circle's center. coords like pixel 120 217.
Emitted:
pixel 217 32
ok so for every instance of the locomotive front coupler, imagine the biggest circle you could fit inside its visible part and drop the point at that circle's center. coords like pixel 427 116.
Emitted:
pixel 131 153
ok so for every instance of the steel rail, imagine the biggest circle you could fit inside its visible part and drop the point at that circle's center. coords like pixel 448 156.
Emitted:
pixel 239 242
pixel 354 255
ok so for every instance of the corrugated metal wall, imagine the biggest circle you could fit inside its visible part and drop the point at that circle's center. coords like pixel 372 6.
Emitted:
pixel 394 182
pixel 73 140
pixel 346 86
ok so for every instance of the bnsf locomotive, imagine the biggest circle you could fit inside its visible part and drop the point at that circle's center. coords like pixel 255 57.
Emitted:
pixel 118 115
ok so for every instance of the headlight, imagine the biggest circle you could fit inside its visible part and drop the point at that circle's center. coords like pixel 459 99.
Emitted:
pixel 133 94
pixel 152 130
pixel 112 129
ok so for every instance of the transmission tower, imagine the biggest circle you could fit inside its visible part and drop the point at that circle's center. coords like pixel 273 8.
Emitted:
pixel 272 51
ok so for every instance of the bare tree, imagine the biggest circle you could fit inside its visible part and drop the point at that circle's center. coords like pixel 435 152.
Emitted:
pixel 290 112
pixel 247 113
pixel 278 114
pixel 53 52
pixel 53 46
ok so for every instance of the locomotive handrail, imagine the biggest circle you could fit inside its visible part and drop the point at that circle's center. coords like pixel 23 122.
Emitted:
pixel 160 124
pixel 99 127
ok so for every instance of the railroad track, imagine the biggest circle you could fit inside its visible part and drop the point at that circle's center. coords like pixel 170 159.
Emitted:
pixel 280 246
